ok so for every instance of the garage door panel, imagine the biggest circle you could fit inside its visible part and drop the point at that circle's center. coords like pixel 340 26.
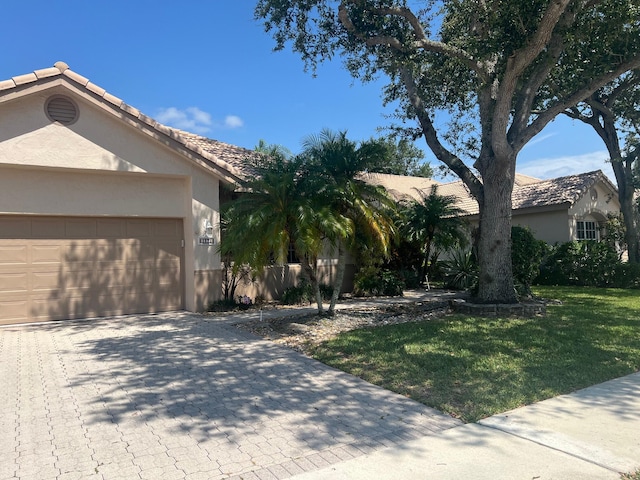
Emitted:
pixel 45 281
pixel 13 255
pixel 166 229
pixel 12 283
pixel 80 228
pixel 138 228
pixel 14 228
pixel 58 278
pixel 13 311
pixel 110 228
pixel 47 228
pixel 46 254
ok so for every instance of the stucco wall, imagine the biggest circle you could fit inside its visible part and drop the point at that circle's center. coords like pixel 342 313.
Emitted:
pixel 550 226
pixel 61 170
pixel 603 204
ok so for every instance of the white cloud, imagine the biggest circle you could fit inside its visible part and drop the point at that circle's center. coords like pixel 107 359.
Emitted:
pixel 567 165
pixel 194 120
pixel 538 139
pixel 233 121
pixel 191 119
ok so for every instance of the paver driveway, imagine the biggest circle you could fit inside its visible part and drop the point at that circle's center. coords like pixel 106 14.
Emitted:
pixel 181 396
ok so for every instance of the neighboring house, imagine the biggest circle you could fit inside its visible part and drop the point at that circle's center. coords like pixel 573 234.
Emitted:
pixel 103 211
pixel 558 210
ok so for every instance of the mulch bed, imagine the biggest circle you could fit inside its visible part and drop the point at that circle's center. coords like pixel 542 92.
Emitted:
pixel 303 332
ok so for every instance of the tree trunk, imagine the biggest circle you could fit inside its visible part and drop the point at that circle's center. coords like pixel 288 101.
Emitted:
pixel 494 244
pixel 629 214
pixel 337 284
pixel 313 280
pixel 624 177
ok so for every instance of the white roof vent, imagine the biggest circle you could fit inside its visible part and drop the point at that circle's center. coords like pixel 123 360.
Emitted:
pixel 61 109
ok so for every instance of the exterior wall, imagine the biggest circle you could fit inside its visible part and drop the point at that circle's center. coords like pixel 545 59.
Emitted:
pixel 595 206
pixel 552 227
pixel 101 165
pixel 275 280
pixel 207 288
pixel 605 202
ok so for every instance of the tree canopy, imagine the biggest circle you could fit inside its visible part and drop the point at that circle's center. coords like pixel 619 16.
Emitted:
pixel 401 157
pixel 500 69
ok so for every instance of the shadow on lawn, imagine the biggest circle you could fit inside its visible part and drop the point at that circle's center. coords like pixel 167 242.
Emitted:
pixel 474 367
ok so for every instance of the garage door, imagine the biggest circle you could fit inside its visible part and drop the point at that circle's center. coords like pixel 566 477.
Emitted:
pixel 54 268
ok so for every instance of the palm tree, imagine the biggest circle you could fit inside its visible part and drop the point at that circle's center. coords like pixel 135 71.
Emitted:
pixel 434 224
pixel 334 163
pixel 274 211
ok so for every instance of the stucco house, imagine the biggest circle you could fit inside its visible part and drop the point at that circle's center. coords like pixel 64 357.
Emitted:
pixel 557 210
pixel 103 210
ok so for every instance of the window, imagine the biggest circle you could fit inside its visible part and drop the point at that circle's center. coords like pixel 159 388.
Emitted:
pixel 291 254
pixel 586 230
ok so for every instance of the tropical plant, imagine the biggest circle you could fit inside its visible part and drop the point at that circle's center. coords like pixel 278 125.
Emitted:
pixel 334 163
pixel 434 224
pixel 460 270
pixel 400 157
pixel 274 211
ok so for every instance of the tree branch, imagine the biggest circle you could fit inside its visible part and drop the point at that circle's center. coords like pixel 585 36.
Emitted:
pixel 545 117
pixel 540 74
pixel 516 65
pixel 421 42
pixel 430 134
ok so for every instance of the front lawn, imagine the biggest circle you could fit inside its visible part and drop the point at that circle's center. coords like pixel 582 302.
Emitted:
pixel 474 367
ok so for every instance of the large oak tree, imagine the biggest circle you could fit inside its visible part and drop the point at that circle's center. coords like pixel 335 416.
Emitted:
pixel 509 66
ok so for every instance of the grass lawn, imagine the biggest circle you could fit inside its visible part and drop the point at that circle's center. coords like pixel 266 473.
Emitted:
pixel 474 367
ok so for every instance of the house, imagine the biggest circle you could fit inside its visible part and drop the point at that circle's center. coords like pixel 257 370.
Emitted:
pixel 103 211
pixel 558 210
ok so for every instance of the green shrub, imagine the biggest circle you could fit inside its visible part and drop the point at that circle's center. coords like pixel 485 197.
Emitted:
pixel 627 275
pixel 303 294
pixel 583 263
pixel 410 277
pixel 241 302
pixel 460 271
pixel 526 255
pixel 373 281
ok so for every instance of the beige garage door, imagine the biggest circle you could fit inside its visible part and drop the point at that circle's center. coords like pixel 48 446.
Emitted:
pixel 54 268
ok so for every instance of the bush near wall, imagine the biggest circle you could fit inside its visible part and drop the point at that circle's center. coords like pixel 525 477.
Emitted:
pixel 374 281
pixel 526 255
pixel 303 294
pixel 587 263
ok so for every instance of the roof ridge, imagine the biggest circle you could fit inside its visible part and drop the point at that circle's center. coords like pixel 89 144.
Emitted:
pixel 62 69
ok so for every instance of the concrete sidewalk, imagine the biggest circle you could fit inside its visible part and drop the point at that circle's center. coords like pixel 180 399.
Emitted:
pixel 593 433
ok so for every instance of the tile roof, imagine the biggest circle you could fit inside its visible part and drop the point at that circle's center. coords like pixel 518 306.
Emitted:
pixel 556 191
pixel 223 158
pixel 528 192
pixel 231 154
pixel 401 187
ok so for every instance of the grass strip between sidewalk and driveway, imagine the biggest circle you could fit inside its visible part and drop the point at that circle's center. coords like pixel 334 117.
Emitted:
pixel 473 367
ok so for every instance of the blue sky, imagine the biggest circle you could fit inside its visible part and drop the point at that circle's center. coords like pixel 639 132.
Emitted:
pixel 208 67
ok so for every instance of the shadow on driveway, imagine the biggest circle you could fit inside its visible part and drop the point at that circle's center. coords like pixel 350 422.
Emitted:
pixel 184 394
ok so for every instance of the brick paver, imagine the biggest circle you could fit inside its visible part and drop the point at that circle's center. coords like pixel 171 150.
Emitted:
pixel 181 396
